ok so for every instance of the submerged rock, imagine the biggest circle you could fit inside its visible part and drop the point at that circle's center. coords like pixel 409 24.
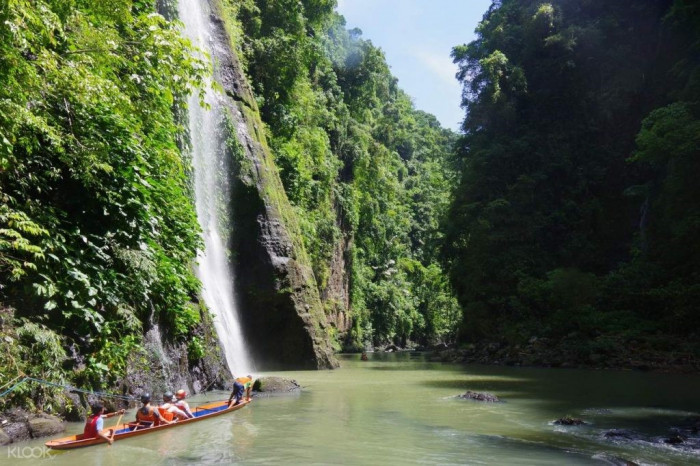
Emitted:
pixel 618 434
pixel 675 439
pixel 690 426
pixel 478 396
pixel 569 421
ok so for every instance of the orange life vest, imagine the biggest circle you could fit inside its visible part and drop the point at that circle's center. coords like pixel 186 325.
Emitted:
pixel 245 381
pixel 165 414
pixel 147 416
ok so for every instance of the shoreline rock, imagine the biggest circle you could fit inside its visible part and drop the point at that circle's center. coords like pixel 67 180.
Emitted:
pixel 18 425
pixel 547 354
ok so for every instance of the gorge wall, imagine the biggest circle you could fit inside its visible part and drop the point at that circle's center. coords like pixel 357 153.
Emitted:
pixel 282 314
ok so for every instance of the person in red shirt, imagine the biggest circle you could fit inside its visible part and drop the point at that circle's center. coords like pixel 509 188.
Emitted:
pixel 95 424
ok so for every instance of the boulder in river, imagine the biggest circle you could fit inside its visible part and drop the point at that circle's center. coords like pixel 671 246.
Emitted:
pixel 569 421
pixel 268 386
pixel 479 396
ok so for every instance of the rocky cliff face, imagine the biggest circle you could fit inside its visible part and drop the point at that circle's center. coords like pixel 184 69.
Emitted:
pixel 166 364
pixel 336 294
pixel 282 312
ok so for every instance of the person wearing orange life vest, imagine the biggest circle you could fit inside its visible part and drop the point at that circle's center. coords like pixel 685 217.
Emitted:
pixel 181 404
pixel 95 424
pixel 168 410
pixel 147 415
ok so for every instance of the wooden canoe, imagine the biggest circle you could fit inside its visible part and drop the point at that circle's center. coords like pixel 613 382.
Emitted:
pixel 129 429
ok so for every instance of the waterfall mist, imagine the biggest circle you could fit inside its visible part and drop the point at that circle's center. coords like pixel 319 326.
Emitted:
pixel 212 198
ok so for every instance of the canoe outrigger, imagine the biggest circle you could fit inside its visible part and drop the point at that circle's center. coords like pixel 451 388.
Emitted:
pixel 132 429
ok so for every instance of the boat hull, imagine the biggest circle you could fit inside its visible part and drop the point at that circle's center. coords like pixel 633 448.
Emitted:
pixel 126 430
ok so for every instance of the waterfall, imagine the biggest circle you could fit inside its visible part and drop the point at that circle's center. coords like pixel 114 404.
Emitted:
pixel 212 199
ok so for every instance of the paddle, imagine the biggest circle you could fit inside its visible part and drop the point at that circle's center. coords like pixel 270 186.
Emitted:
pixel 114 431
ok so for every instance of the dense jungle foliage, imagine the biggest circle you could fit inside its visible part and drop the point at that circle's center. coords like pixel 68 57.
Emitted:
pixel 368 174
pixel 97 228
pixel 569 211
pixel 577 214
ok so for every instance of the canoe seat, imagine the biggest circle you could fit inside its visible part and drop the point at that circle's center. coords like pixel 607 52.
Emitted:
pixel 140 425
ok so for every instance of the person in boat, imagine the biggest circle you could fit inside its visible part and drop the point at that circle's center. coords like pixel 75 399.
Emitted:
pixel 147 415
pixel 181 404
pixel 95 423
pixel 241 386
pixel 168 410
pixel 237 393
pixel 247 383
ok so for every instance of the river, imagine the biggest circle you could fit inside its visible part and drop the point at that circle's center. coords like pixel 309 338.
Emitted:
pixel 401 409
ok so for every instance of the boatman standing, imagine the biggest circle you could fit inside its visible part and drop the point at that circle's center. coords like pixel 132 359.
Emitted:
pixel 247 383
pixel 95 423
pixel 240 385
pixel 236 394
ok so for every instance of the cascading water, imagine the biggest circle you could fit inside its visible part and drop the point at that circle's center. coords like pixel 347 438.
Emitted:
pixel 212 200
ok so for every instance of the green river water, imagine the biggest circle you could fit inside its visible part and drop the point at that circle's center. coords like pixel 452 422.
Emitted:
pixel 401 409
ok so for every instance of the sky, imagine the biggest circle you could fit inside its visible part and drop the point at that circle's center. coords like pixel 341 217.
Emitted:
pixel 417 37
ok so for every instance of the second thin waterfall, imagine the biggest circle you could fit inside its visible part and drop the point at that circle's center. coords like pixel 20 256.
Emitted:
pixel 212 197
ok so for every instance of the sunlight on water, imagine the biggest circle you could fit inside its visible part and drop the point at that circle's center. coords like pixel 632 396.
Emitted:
pixel 212 201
